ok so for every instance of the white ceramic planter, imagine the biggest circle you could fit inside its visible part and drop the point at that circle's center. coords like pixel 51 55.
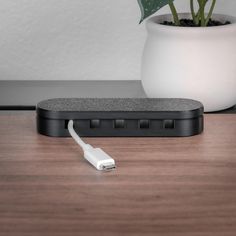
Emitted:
pixel 197 63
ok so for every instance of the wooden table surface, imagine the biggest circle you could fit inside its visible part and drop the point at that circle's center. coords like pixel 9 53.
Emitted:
pixel 162 186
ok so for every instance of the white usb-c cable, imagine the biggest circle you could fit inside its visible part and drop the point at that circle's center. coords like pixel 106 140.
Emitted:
pixel 96 156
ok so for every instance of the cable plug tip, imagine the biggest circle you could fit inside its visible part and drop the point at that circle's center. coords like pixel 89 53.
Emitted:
pixel 108 167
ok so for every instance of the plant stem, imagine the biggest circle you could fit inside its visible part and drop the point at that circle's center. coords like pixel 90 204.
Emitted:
pixel 210 12
pixel 193 12
pixel 198 17
pixel 174 13
pixel 202 18
pixel 202 4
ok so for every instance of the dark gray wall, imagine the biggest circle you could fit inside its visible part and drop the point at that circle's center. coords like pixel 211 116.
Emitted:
pixel 29 93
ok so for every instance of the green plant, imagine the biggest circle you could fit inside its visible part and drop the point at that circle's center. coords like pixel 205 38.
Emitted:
pixel 199 16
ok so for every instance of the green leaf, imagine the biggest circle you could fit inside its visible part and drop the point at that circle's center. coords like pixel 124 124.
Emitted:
pixel 149 7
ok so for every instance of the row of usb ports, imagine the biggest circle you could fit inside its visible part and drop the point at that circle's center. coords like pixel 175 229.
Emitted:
pixel 142 124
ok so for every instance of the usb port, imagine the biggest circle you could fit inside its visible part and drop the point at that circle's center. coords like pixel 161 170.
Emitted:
pixel 168 124
pixel 144 124
pixel 94 124
pixel 119 124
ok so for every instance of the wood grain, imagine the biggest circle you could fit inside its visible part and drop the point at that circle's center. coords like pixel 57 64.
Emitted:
pixel 162 186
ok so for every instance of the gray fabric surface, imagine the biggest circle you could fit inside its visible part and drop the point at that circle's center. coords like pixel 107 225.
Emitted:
pixel 121 104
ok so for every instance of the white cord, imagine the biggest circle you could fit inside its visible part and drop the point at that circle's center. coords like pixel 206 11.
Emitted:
pixel 96 156
pixel 76 137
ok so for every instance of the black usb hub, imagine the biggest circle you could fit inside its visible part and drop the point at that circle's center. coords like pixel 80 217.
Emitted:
pixel 123 117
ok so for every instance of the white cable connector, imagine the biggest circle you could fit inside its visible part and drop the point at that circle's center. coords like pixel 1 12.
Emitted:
pixel 96 156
